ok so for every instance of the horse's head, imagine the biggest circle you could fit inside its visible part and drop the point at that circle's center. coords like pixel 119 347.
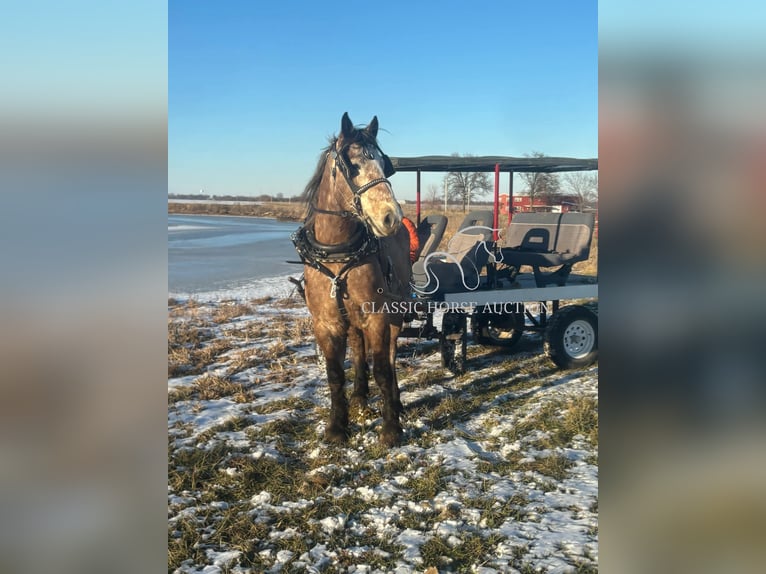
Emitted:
pixel 366 169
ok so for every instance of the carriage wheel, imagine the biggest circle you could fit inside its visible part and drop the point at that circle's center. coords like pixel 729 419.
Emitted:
pixel 571 339
pixel 498 329
pixel 453 340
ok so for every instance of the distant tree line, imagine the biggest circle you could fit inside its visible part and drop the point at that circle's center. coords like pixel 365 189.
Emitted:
pixel 198 196
pixel 279 210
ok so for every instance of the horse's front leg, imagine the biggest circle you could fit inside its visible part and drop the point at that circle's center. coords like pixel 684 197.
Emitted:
pixel 385 377
pixel 333 347
pixel 361 370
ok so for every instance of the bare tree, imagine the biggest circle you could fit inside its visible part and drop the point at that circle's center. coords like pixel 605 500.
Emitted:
pixel 432 194
pixel 464 186
pixel 584 186
pixel 541 185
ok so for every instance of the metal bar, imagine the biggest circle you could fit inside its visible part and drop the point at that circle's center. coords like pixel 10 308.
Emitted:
pixel 533 294
pixel 510 197
pixel 496 211
pixel 417 196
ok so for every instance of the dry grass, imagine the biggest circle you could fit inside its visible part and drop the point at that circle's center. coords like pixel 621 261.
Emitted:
pixel 562 420
pixel 188 354
pixel 228 311
pixel 590 266
pixel 213 477
pixel 555 466
pixel 301 329
pixel 287 211
pixel 244 360
pixel 247 333
pixel 210 387
pixel 294 302
pixel 474 551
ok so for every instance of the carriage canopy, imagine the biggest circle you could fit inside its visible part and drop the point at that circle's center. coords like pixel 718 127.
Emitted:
pixel 450 163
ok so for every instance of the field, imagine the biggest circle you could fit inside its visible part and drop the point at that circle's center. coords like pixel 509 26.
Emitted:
pixel 497 471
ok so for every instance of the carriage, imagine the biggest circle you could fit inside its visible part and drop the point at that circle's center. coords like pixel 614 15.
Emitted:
pixel 504 274
pixel 363 292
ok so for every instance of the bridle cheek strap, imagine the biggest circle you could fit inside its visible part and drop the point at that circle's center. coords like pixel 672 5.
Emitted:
pixel 356 190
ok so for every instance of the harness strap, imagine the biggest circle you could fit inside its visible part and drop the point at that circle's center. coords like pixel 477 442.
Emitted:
pixel 316 254
pixel 337 284
pixel 346 214
pixel 361 245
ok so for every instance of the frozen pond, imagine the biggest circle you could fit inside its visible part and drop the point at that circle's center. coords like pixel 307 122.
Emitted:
pixel 215 254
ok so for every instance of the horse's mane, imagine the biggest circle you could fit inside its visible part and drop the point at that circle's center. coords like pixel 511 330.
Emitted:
pixel 310 192
pixel 312 187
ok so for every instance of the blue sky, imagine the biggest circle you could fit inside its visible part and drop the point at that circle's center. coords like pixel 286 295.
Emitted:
pixel 255 88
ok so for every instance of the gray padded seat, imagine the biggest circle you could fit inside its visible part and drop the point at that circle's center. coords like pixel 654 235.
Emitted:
pixel 469 249
pixel 430 233
pixel 548 240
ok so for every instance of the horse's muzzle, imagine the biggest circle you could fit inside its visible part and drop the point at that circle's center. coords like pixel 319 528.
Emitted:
pixel 387 222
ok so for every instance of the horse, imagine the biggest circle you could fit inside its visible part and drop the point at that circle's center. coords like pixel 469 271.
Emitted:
pixel 356 263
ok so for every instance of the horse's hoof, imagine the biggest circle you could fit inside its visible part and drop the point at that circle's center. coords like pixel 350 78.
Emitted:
pixel 391 435
pixel 336 435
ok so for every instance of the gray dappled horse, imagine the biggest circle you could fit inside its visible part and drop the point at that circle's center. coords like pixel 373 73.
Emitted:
pixel 356 259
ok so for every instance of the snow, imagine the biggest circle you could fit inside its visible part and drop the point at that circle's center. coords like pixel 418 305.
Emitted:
pixel 276 287
pixel 209 414
pixel 554 523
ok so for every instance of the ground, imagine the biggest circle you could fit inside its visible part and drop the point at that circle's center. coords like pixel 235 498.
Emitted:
pixel 497 470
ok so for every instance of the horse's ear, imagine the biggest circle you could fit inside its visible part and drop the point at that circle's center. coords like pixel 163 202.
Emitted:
pixel 346 126
pixel 372 128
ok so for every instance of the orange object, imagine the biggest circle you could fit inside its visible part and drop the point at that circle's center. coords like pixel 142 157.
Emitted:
pixel 414 241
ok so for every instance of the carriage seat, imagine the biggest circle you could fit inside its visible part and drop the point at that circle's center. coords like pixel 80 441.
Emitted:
pixel 430 233
pixel 548 240
pixel 468 252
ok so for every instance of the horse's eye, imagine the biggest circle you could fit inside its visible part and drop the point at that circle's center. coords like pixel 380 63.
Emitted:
pixel 368 153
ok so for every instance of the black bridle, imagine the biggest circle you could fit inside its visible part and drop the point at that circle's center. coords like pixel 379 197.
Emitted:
pixel 362 242
pixel 340 162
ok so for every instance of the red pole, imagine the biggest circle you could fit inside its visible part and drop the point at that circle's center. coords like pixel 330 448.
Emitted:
pixel 510 198
pixel 496 211
pixel 417 195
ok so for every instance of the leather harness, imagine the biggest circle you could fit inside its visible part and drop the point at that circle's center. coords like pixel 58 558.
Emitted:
pixel 358 247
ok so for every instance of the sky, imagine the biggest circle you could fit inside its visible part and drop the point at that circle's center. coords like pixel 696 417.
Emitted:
pixel 256 88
